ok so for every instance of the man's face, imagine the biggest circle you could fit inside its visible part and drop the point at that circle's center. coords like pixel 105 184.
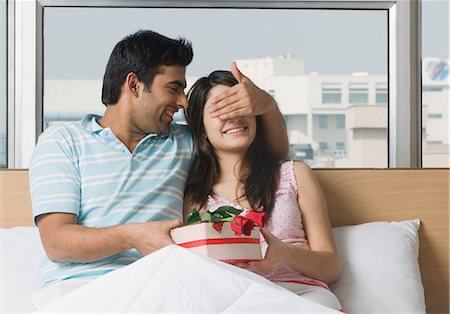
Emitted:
pixel 156 105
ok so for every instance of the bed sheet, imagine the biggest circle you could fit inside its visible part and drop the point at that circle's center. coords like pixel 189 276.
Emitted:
pixel 380 270
pixel 175 280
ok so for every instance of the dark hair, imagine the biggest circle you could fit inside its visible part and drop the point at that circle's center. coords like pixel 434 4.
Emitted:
pixel 142 53
pixel 261 168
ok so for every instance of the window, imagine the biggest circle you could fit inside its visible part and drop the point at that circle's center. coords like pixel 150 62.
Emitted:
pixel 340 121
pixel 323 122
pixel 302 79
pixel 3 85
pixel 434 142
pixel 340 145
pixel 381 95
pixel 358 93
pixel 435 84
pixel 331 93
pixel 323 146
pixel 435 116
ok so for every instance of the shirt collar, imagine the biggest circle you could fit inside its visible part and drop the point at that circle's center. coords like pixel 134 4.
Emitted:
pixel 90 124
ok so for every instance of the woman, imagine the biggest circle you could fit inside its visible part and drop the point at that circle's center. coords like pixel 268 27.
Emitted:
pixel 233 168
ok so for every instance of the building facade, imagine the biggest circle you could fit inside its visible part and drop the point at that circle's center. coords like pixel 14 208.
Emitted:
pixel 332 120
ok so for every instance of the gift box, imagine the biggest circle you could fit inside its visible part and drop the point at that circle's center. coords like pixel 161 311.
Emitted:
pixel 223 245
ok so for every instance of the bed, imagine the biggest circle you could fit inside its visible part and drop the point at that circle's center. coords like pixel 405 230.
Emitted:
pixel 390 225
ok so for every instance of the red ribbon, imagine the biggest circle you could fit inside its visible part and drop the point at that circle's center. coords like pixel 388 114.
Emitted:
pixel 196 243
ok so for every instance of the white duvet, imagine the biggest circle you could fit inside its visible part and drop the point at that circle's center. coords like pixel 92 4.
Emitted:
pixel 175 280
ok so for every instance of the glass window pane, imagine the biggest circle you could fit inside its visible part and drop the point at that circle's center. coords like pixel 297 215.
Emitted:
pixel 323 122
pixel 331 93
pixel 3 84
pixel 306 76
pixel 358 94
pixel 340 121
pixel 381 96
pixel 435 84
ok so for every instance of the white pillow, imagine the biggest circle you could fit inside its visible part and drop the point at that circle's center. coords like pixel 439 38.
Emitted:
pixel 380 269
pixel 21 254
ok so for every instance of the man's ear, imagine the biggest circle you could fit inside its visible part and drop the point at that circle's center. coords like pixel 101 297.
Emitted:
pixel 132 84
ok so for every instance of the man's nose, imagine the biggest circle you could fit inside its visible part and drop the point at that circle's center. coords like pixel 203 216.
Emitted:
pixel 182 101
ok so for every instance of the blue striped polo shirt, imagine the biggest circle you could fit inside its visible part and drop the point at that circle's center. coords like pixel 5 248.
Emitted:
pixel 83 169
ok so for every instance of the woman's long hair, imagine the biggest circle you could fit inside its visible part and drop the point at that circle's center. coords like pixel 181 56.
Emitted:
pixel 259 171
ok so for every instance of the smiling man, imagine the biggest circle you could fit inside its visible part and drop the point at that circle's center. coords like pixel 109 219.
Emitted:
pixel 107 190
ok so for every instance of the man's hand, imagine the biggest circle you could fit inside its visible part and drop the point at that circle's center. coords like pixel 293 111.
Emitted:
pixel 151 236
pixel 241 100
pixel 66 241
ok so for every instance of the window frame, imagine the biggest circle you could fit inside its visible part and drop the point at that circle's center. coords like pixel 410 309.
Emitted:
pixel 4 73
pixel 25 78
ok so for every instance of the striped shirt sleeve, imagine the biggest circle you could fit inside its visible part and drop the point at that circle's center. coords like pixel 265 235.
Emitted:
pixel 186 133
pixel 54 175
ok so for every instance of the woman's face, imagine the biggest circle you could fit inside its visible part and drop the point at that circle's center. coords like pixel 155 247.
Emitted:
pixel 235 135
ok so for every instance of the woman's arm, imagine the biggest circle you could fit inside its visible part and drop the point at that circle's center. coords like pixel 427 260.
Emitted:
pixel 321 262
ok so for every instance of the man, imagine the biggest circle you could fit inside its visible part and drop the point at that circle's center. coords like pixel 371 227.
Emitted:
pixel 107 190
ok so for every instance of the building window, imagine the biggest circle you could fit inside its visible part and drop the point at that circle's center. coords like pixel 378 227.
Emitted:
pixel 435 116
pixel 358 93
pixel 340 121
pixel 323 146
pixel 323 122
pixel 340 145
pixel 331 93
pixel 3 85
pixel 434 142
pixel 381 94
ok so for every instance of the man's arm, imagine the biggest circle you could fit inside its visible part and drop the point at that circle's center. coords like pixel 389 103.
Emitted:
pixel 246 99
pixel 66 241
pixel 55 188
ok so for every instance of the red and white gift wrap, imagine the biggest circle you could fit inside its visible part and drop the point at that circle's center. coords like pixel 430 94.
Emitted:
pixel 224 246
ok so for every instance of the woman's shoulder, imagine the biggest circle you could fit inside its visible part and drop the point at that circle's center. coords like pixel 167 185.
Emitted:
pixel 296 165
pixel 302 171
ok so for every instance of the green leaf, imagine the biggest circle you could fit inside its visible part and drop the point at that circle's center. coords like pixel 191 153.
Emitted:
pixel 193 217
pixel 205 216
pixel 217 215
pixel 223 213
pixel 216 219
pixel 230 210
pixel 228 219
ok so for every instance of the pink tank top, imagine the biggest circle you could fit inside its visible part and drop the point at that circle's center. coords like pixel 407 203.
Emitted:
pixel 285 223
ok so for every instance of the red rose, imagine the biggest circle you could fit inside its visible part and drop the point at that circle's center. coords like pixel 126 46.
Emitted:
pixel 256 217
pixel 241 225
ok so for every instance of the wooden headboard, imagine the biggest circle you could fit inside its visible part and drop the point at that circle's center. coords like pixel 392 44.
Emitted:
pixel 354 196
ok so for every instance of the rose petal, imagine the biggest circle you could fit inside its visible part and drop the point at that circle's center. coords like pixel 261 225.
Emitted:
pixel 256 217
pixel 236 226
pixel 247 227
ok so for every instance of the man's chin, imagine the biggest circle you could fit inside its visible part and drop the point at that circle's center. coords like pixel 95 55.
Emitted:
pixel 164 131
